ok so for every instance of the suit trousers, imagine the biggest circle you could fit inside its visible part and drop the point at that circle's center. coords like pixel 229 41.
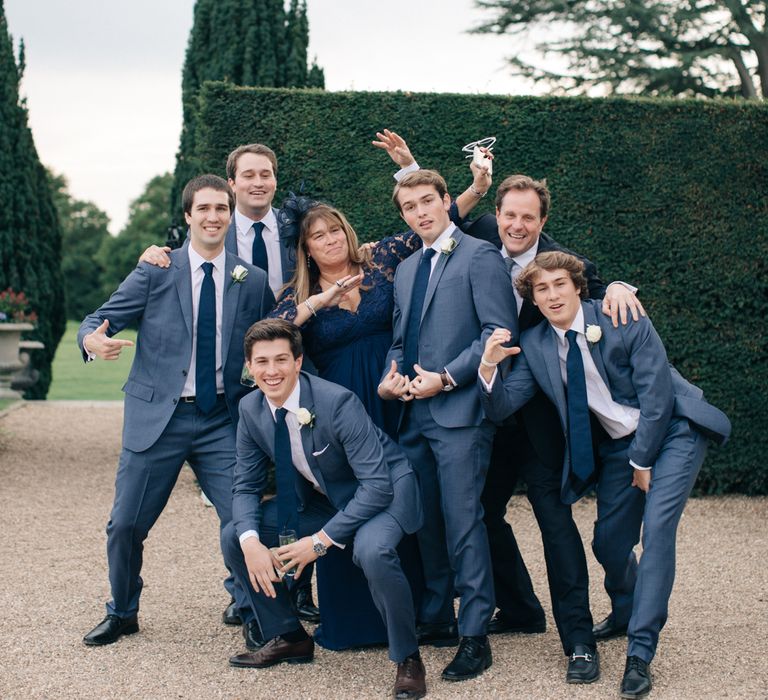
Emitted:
pixel 144 483
pixel 566 562
pixel 374 550
pixel 451 465
pixel 640 593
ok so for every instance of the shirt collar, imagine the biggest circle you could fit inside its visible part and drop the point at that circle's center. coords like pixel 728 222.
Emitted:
pixel 577 325
pixel 196 260
pixel 243 223
pixel 524 258
pixel 442 237
pixel 291 403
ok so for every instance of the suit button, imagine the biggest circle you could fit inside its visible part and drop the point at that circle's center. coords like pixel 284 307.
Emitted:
pixel 175 401
pixel 184 372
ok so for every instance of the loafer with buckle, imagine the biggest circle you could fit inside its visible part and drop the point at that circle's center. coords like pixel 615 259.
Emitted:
pixel 583 665
pixel 276 651
pixel 472 658
pixel 437 634
pixel 637 678
pixel 306 609
pixel 110 629
pixel 501 624
pixel 231 616
pixel 608 629
pixel 411 680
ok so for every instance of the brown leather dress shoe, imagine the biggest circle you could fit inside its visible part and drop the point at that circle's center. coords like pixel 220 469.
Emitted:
pixel 276 651
pixel 410 681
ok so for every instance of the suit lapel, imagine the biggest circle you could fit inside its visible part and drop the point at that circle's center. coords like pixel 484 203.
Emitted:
pixel 306 400
pixel 434 279
pixel 229 305
pixel 266 424
pixel 590 319
pixel 551 360
pixel 406 278
pixel 230 242
pixel 184 285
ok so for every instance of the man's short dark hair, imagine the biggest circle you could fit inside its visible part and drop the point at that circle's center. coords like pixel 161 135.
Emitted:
pixel 521 183
pixel 552 260
pixel 201 182
pixel 258 149
pixel 273 329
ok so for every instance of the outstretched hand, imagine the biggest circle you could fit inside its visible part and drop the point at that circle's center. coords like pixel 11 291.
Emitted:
pixel 495 351
pixel 155 255
pixel 101 345
pixel 618 300
pixel 337 292
pixel 395 146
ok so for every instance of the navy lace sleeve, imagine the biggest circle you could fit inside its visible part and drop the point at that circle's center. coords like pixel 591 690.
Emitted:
pixel 453 212
pixel 285 306
pixel 391 251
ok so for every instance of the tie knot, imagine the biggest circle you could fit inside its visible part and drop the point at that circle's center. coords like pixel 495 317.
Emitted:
pixel 571 336
pixel 258 227
pixel 510 263
pixel 428 254
pixel 280 414
pixel 207 268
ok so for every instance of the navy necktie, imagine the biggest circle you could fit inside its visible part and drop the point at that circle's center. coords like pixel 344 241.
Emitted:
pixel 205 361
pixel 285 476
pixel 579 430
pixel 259 250
pixel 411 340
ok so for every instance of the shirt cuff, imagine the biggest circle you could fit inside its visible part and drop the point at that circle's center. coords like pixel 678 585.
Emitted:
pixel 412 168
pixel 624 284
pixel 450 378
pixel 247 534
pixel 334 542
pixel 90 356
pixel 488 386
pixel 637 466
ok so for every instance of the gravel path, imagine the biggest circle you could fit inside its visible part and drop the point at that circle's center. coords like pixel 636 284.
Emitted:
pixel 57 464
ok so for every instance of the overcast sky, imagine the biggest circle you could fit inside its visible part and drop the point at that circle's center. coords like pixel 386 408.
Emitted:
pixel 103 79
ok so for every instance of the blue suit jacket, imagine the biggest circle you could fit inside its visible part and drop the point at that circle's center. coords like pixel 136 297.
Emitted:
pixel 287 248
pixel 632 362
pixel 467 298
pixel 358 467
pixel 160 301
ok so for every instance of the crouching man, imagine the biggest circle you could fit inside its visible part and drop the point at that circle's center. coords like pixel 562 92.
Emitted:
pixel 633 426
pixel 340 482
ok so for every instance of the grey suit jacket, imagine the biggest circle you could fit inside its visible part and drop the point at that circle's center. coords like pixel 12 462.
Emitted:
pixel 160 301
pixel 632 362
pixel 357 466
pixel 467 298
pixel 287 248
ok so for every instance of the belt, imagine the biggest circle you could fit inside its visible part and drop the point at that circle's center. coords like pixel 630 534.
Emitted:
pixel 191 399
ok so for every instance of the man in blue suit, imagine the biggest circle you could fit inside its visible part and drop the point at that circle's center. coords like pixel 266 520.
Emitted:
pixel 184 386
pixel 633 426
pixel 340 482
pixel 446 305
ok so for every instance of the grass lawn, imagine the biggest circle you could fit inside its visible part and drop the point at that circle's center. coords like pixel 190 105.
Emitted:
pixel 97 380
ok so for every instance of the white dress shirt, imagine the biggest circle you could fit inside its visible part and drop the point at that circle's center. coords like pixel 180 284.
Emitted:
pixel 196 270
pixel 244 227
pixel 292 405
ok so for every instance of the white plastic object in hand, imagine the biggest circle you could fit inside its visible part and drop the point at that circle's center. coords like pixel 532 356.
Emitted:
pixel 478 156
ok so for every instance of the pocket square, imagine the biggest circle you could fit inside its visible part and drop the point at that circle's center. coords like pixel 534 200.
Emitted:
pixel 319 452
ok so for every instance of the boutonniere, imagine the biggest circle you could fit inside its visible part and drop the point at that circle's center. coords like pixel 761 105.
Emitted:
pixel 593 333
pixel 305 417
pixel 447 246
pixel 239 274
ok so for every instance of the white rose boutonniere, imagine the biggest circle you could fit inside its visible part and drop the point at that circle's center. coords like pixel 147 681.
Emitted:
pixel 593 333
pixel 447 246
pixel 239 273
pixel 304 417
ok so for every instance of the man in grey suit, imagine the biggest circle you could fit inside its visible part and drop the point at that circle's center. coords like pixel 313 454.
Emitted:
pixel 340 482
pixel 633 426
pixel 184 386
pixel 446 305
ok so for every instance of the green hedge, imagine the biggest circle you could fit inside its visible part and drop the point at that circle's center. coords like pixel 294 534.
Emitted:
pixel 670 195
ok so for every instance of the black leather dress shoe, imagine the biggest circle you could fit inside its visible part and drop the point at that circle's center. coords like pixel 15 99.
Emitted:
pixel 305 606
pixel 501 624
pixel 437 634
pixel 637 678
pixel 110 629
pixel 583 665
pixel 230 616
pixel 252 634
pixel 276 651
pixel 472 658
pixel 608 629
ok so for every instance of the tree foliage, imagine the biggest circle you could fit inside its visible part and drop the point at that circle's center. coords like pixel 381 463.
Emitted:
pixel 30 238
pixel 147 225
pixel 243 42
pixel 651 47
pixel 84 229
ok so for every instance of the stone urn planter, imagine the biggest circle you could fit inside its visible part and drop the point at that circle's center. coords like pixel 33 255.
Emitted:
pixel 10 338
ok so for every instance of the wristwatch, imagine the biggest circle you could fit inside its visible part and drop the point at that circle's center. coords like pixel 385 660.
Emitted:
pixel 447 386
pixel 318 546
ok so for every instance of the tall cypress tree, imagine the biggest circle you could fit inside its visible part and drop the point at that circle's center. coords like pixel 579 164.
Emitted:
pixel 30 237
pixel 246 42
